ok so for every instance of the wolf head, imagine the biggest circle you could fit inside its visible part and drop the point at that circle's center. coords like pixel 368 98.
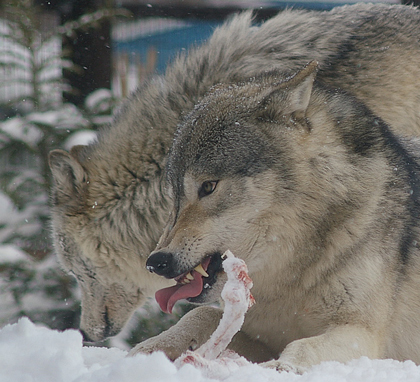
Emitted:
pixel 96 221
pixel 229 171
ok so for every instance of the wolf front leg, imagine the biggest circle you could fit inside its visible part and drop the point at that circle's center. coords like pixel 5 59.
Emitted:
pixel 190 332
pixel 193 330
pixel 342 344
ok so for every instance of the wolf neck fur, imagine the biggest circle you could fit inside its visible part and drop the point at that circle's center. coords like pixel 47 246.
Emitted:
pixel 348 209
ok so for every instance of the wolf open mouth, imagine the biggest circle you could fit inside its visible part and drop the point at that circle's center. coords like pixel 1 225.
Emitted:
pixel 191 285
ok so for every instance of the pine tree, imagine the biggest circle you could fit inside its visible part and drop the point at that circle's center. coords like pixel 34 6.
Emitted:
pixel 36 120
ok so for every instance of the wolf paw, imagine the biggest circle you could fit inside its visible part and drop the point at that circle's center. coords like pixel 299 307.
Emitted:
pixel 145 347
pixel 172 348
pixel 283 366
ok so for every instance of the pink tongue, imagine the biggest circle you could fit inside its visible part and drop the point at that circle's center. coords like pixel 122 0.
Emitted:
pixel 167 297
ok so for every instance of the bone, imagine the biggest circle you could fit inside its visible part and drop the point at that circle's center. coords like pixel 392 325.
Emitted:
pixel 238 299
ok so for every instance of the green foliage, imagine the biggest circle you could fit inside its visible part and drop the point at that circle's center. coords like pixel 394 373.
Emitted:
pixel 31 60
pixel 35 121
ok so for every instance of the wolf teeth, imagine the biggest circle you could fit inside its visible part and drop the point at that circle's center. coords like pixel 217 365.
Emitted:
pixel 199 268
pixel 189 276
pixel 185 281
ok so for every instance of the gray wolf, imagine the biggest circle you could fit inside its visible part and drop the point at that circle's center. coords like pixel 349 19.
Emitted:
pixel 319 198
pixel 109 201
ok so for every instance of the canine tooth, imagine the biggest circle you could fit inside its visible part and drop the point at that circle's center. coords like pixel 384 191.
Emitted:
pixel 189 276
pixel 199 268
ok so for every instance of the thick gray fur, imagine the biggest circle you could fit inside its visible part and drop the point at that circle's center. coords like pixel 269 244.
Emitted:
pixel 322 202
pixel 109 201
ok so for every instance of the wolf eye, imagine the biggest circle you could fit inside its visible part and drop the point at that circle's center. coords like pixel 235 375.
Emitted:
pixel 207 188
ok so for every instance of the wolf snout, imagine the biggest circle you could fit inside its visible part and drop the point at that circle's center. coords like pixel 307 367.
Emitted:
pixel 161 263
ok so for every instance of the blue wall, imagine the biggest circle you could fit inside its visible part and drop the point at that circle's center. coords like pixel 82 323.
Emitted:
pixel 168 43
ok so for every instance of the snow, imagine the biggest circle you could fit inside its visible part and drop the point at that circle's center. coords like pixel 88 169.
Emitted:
pixel 32 353
pixel 14 221
pixel 19 129
pixel 18 61
pixel 11 253
pixel 82 137
pixel 100 101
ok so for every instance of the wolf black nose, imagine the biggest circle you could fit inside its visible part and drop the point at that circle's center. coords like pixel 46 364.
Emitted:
pixel 161 263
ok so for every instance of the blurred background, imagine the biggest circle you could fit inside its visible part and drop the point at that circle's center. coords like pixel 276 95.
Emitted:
pixel 64 68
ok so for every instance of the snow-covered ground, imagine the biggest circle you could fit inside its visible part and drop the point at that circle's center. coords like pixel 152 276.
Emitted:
pixel 30 353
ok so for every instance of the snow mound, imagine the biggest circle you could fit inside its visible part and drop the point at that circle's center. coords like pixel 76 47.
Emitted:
pixel 81 137
pixel 31 353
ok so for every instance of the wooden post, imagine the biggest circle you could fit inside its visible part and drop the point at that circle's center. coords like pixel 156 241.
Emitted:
pixel 89 50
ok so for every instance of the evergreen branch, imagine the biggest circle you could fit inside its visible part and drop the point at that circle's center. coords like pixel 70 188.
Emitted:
pixel 14 57
pixel 91 20
pixel 17 80
pixel 14 66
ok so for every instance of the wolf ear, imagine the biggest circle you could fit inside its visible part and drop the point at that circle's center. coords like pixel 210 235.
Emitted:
pixel 68 174
pixel 290 97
